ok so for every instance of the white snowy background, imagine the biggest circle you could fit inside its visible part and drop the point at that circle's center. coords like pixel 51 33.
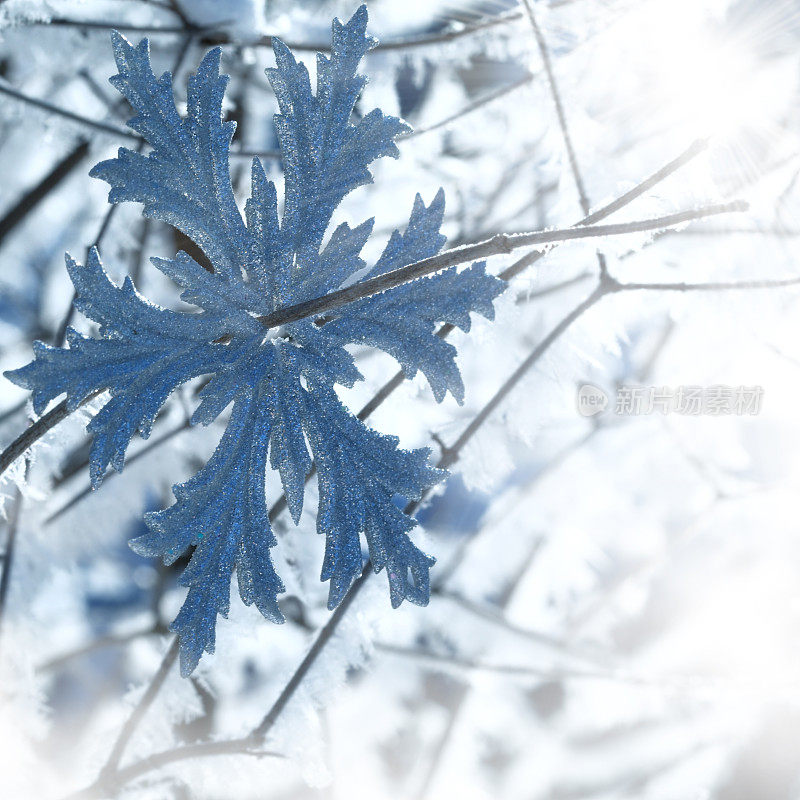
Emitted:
pixel 616 611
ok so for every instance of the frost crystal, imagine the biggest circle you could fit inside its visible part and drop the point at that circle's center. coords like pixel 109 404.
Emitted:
pixel 281 387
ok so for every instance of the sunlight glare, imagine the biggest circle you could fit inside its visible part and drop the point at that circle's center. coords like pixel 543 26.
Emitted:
pixel 704 74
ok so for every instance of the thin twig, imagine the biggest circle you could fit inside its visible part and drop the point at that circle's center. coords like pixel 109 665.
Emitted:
pixel 750 179
pixel 452 453
pixel 445 572
pixel 61 333
pixel 133 771
pixel 176 9
pixel 150 446
pixel 468 109
pixel 99 93
pixel 111 640
pixel 580 185
pixel 51 181
pixel 496 245
pixel 103 127
pixel 142 707
pixel 544 52
pixel 777 232
pixel 8 555
pixel 497 620
pixel 695 149
pixel 712 286
pixel 31 435
pixel 220 37
pixel 471 107
pixel 528 297
pixel 525 670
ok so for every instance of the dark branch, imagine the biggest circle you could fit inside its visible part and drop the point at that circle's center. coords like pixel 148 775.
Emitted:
pixel 33 196
pixel 103 127
pixel 496 245
pixel 474 106
pixel 8 555
pixel 151 445
pixel 721 286
pixel 219 37
pixel 35 432
pixel 101 788
pixel 112 640
pixel 117 751
pixel 544 52
pixel 580 185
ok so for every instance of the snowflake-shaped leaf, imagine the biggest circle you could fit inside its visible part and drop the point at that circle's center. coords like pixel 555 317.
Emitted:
pixel 279 384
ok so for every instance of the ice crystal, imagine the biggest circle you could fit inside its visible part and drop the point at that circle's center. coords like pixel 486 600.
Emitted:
pixel 280 384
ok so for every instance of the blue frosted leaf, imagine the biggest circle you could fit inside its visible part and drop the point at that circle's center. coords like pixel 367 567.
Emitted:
pixel 205 289
pixel 336 263
pixel 185 180
pixel 269 271
pixel 277 366
pixel 325 156
pixel 288 453
pixel 421 238
pixel 402 322
pixel 123 313
pixel 145 353
pixel 360 474
pixel 222 513
pixel 278 385
pixel 321 357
